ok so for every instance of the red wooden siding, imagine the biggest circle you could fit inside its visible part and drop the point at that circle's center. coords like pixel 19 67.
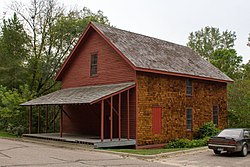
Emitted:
pixel 86 119
pixel 156 120
pixel 132 115
pixel 111 68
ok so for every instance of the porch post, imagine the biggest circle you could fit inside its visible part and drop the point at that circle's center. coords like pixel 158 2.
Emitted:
pixel 102 120
pixel 54 122
pixel 47 121
pixel 111 118
pixel 61 121
pixel 30 120
pixel 119 117
pixel 128 114
pixel 38 120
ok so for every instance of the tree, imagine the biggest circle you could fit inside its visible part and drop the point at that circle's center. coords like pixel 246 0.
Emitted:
pixel 33 45
pixel 239 103
pixel 14 43
pixel 53 34
pixel 13 117
pixel 228 62
pixel 209 39
pixel 246 71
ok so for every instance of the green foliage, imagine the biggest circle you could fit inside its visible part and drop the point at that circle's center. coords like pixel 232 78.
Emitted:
pixel 228 62
pixel 53 34
pixel 6 135
pixel 96 17
pixel 209 39
pixel 14 43
pixel 186 143
pixel 31 55
pixel 246 71
pixel 202 135
pixel 207 130
pixel 13 118
pixel 239 104
pixel 145 151
pixel 217 48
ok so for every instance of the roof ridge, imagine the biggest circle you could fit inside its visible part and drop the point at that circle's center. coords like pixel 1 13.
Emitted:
pixel 100 24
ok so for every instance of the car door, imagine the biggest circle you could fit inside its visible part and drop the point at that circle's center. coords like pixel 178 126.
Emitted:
pixel 247 138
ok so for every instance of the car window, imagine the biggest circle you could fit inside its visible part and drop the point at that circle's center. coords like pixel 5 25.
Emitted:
pixel 234 133
pixel 246 132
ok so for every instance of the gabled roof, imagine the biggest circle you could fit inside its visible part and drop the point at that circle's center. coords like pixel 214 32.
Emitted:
pixel 149 54
pixel 80 95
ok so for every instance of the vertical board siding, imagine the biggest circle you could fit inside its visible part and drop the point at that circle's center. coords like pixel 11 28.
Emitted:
pixel 111 68
pixel 132 115
pixel 169 92
pixel 86 119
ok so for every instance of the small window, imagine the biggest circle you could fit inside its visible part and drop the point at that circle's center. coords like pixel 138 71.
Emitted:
pixel 93 66
pixel 215 115
pixel 246 134
pixel 156 120
pixel 189 88
pixel 189 118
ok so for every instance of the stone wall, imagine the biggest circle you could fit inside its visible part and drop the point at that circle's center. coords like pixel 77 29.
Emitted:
pixel 169 92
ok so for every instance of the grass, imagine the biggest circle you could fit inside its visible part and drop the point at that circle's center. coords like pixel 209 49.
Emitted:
pixel 147 151
pixel 7 135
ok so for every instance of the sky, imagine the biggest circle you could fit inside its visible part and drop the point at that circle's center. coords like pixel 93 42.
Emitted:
pixel 170 20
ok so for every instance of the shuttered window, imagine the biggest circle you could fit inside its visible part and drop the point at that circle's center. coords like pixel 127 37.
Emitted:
pixel 215 114
pixel 189 87
pixel 189 118
pixel 156 120
pixel 93 65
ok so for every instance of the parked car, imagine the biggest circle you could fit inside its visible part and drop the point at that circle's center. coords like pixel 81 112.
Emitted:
pixel 231 140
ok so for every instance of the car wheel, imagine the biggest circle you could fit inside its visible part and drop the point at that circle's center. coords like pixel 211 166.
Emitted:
pixel 244 150
pixel 217 152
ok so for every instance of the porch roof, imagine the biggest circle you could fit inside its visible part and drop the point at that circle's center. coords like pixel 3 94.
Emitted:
pixel 80 95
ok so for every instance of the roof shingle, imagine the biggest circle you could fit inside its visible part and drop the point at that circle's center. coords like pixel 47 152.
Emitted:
pixel 155 54
pixel 79 95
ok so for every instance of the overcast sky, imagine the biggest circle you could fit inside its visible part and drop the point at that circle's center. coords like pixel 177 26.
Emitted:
pixel 171 20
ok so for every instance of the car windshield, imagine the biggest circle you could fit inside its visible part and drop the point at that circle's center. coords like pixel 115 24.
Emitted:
pixel 234 133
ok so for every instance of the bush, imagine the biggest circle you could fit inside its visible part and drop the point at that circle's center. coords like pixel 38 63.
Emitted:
pixel 178 143
pixel 17 130
pixel 207 130
pixel 186 143
pixel 201 137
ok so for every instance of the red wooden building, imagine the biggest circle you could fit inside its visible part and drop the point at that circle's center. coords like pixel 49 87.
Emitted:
pixel 125 88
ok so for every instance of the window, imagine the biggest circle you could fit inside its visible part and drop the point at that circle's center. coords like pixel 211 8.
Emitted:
pixel 246 134
pixel 215 114
pixel 156 120
pixel 189 88
pixel 189 118
pixel 93 65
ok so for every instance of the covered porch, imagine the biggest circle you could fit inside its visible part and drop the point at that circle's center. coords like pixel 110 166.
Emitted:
pixel 102 115
pixel 84 139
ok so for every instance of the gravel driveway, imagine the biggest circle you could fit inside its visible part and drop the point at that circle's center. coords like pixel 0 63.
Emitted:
pixel 20 154
pixel 205 158
pixel 25 154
